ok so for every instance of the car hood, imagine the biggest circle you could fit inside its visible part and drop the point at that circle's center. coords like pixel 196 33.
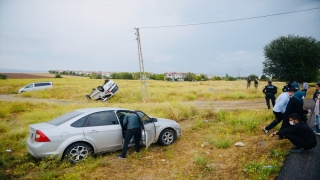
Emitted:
pixel 161 121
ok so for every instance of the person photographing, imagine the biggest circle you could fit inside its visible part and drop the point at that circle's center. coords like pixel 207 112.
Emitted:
pixel 299 134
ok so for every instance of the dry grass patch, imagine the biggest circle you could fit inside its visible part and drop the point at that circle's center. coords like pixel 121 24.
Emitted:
pixel 130 90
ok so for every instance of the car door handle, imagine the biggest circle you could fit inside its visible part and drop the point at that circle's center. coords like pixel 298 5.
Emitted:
pixel 94 131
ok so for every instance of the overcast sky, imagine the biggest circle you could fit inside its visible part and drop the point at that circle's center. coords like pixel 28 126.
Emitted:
pixel 99 35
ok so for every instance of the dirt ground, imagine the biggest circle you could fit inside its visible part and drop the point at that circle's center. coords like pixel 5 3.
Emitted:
pixel 23 76
pixel 36 75
pixel 216 105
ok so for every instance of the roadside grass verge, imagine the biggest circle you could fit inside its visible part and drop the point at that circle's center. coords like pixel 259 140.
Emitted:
pixel 204 151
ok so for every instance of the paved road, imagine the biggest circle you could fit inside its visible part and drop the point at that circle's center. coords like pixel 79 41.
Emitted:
pixel 303 166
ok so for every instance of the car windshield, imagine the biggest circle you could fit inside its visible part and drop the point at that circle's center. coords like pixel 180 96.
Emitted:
pixel 64 118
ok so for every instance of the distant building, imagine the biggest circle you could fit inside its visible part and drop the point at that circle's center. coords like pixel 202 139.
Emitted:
pixel 175 75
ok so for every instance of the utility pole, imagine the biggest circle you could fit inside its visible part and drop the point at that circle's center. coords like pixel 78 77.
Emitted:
pixel 239 73
pixel 143 83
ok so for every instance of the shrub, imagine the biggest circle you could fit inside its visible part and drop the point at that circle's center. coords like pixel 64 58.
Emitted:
pixel 58 76
pixel 3 76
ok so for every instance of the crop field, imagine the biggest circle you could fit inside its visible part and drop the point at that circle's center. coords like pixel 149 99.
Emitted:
pixel 204 151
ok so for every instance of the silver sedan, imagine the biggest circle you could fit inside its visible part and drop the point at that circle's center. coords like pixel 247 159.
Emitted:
pixel 82 132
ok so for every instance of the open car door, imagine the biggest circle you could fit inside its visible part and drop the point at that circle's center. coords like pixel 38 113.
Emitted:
pixel 148 132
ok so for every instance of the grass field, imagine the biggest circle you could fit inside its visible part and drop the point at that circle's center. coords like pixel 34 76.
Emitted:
pixel 205 150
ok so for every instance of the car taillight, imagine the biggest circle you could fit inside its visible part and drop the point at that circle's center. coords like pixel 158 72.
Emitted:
pixel 40 137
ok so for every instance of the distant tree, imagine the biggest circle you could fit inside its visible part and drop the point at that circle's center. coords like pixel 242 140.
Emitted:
pixel 197 78
pixel 168 79
pixel 292 58
pixel 253 76
pixel 3 76
pixel 263 77
pixel 230 78
pixel 190 76
pixel 203 77
pixel 216 78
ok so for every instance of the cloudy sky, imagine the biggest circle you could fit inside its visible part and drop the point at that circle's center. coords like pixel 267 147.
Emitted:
pixel 99 35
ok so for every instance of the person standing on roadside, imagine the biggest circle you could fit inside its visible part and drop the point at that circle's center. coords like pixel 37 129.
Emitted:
pixel 299 134
pixel 256 82
pixel 315 94
pixel 279 109
pixel 133 124
pixel 305 86
pixel 270 91
pixel 248 82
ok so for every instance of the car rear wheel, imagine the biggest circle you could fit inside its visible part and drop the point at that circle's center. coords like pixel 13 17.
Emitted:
pixel 77 152
pixel 167 137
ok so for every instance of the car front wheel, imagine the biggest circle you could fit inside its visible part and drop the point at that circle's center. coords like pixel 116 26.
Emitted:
pixel 77 152
pixel 166 137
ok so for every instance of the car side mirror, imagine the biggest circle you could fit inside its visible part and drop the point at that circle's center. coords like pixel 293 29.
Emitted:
pixel 153 119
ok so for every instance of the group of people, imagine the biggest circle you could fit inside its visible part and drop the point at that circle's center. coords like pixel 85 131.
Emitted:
pixel 256 82
pixel 288 109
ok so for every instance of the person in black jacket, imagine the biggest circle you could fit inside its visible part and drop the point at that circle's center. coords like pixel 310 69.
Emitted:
pixel 299 134
pixel 270 91
pixel 295 105
pixel 287 87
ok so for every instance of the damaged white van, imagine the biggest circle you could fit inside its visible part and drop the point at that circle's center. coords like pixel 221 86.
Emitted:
pixel 36 86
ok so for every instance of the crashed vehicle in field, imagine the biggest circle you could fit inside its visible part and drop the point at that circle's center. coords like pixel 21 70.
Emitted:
pixel 104 92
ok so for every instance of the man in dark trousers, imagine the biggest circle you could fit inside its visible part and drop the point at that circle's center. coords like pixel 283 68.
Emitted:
pixel 248 82
pixel 270 90
pixel 300 134
pixel 133 124
pixel 279 108
pixel 256 82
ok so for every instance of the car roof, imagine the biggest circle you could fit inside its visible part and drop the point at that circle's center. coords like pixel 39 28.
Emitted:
pixel 86 110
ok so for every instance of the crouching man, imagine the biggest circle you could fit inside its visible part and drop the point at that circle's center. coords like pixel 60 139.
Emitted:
pixel 299 134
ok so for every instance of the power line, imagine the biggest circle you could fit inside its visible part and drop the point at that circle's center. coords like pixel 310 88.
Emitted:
pixel 215 22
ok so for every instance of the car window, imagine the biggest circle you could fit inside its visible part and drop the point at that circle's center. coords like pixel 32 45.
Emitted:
pixel 80 122
pixel 29 86
pixel 64 118
pixel 144 118
pixel 102 119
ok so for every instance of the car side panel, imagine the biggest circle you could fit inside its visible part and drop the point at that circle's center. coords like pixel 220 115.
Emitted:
pixel 105 138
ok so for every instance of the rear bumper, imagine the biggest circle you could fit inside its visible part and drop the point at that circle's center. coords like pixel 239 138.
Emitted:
pixel 43 149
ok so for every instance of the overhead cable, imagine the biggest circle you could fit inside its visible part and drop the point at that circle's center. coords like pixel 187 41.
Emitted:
pixel 215 22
